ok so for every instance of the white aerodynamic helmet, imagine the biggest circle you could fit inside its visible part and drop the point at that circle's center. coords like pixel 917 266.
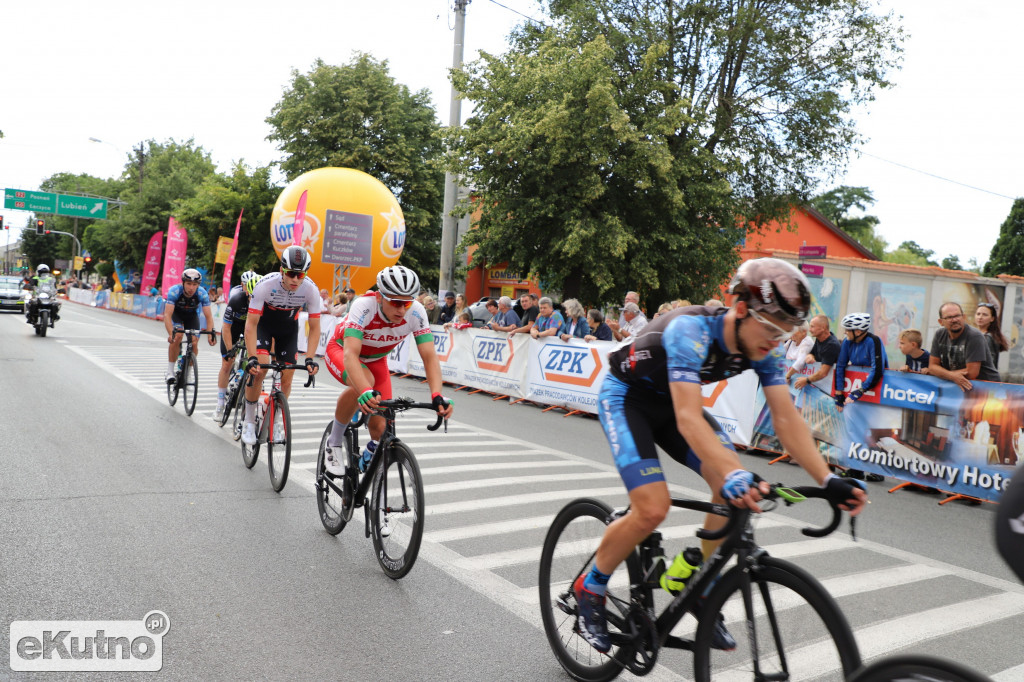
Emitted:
pixel 857 322
pixel 398 280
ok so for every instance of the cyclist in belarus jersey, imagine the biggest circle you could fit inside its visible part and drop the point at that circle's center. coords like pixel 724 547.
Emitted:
pixel 357 356
pixel 233 326
pixel 272 321
pixel 182 311
pixel 652 396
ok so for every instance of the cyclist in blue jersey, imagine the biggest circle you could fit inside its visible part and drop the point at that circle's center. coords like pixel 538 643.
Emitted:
pixel 182 311
pixel 652 397
pixel 232 327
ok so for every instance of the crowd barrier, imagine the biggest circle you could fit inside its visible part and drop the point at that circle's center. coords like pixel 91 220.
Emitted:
pixel 912 427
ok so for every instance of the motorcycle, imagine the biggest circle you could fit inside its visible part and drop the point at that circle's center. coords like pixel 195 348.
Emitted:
pixel 43 308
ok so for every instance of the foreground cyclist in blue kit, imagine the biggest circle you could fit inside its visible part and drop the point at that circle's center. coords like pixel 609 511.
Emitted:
pixel 652 396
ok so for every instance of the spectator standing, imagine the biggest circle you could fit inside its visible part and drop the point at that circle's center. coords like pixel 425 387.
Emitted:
pixel 662 309
pixel 529 315
pixel 432 308
pixel 448 309
pixel 600 331
pixel 825 351
pixel 460 305
pixel 507 320
pixel 492 314
pixel 634 321
pixel 325 300
pixel 631 297
pixel 864 349
pixel 549 321
pixel 959 352
pixel 986 317
pixel 917 357
pixel 576 321
pixel 797 348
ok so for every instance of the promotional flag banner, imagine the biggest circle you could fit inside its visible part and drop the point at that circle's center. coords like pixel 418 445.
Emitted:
pixel 300 220
pixel 224 245
pixel 149 272
pixel 230 262
pixel 174 257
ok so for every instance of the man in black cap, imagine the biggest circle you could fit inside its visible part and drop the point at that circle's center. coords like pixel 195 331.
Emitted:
pixel 448 309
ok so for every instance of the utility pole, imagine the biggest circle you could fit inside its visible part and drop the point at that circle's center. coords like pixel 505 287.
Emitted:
pixel 449 225
pixel 141 153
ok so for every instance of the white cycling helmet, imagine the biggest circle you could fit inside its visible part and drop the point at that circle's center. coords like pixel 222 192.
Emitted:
pixel 43 267
pixel 398 280
pixel 857 322
pixel 249 281
pixel 191 275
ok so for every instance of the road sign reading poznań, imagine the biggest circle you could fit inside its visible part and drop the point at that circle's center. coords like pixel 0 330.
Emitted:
pixel 58 204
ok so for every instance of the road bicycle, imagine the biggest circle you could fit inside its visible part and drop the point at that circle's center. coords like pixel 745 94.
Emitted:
pixel 234 401
pixel 393 513
pixel 769 602
pixel 186 372
pixel 916 668
pixel 273 426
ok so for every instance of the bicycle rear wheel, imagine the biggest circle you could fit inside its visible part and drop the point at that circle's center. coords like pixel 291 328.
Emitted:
pixel 190 379
pixel 250 453
pixel 396 515
pixel 912 667
pixel 239 410
pixel 799 630
pixel 172 390
pixel 568 553
pixel 279 442
pixel 334 511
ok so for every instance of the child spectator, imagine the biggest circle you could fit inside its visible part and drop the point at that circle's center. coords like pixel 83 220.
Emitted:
pixel 465 321
pixel 917 357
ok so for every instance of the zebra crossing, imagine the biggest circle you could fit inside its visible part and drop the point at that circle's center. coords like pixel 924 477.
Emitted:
pixel 490 499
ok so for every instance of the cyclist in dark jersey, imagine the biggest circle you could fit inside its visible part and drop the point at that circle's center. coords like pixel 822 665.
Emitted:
pixel 182 312
pixel 652 396
pixel 233 326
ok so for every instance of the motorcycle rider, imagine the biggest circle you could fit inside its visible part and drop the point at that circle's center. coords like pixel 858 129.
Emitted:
pixel 43 278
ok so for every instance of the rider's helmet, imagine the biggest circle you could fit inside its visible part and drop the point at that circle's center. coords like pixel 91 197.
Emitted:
pixel 295 258
pixel 857 322
pixel 42 269
pixel 191 275
pixel 249 280
pixel 398 280
pixel 773 286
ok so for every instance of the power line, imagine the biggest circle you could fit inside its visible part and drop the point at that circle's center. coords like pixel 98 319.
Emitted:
pixel 536 21
pixel 933 175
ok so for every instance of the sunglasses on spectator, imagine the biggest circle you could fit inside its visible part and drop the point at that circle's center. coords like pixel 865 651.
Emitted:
pixel 990 306
pixel 397 302
pixel 778 333
pixel 294 274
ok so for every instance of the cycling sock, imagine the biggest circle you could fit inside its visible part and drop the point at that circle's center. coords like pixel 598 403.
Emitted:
pixel 337 434
pixel 596 582
pixel 250 411
pixel 170 366
pixel 221 394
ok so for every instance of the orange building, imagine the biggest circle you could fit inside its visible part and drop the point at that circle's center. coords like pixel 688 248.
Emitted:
pixel 812 229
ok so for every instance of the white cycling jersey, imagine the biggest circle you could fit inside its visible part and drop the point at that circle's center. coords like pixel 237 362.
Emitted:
pixel 380 336
pixel 271 298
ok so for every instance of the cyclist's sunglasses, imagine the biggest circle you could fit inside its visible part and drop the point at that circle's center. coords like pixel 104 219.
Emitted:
pixel 778 333
pixel 294 274
pixel 398 302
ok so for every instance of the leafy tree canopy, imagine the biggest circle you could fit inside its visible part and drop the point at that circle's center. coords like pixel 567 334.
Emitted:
pixel 358 116
pixel 1007 256
pixel 625 146
pixel 839 206
pixel 910 253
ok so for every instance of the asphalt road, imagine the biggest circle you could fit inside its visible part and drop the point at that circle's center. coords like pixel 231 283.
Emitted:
pixel 115 504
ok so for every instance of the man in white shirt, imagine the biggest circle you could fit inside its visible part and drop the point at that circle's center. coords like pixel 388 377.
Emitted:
pixel 634 321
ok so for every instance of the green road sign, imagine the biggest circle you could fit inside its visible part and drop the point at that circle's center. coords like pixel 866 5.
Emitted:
pixel 81 207
pixel 28 200
pixel 57 204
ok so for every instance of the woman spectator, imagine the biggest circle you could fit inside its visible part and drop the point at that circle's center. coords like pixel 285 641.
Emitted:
pixel 549 321
pixel 662 309
pixel 600 329
pixel 797 348
pixel 433 309
pixel 576 322
pixel 460 305
pixel 986 318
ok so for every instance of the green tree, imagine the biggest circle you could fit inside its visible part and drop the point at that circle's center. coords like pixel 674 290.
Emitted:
pixel 629 145
pixel 82 184
pixel 952 262
pixel 358 116
pixel 172 171
pixel 38 249
pixel 839 204
pixel 1007 255
pixel 213 213
pixel 910 253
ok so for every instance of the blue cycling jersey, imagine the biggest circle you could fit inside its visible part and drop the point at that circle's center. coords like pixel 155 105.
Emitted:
pixel 868 352
pixel 186 304
pixel 688 344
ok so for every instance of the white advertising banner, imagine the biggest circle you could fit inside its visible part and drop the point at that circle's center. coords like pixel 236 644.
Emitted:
pixel 327 324
pixel 566 374
pixel 479 358
pixel 731 403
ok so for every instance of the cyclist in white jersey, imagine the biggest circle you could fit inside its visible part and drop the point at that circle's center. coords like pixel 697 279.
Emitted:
pixel 272 323
pixel 357 355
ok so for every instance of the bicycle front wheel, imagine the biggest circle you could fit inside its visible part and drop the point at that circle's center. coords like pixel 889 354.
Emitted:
pixel 568 553
pixel 239 410
pixel 190 379
pixel 172 390
pixel 914 667
pixel 396 514
pixel 797 630
pixel 279 442
pixel 250 453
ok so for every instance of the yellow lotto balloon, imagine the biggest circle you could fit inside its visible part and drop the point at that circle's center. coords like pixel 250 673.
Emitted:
pixel 352 219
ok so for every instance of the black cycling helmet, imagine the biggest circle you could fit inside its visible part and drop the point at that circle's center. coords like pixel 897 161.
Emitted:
pixel 773 286
pixel 191 275
pixel 295 258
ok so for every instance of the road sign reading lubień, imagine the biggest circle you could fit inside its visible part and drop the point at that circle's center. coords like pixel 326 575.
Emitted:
pixel 58 204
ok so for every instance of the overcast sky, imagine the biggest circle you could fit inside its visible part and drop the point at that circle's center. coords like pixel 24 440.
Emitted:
pixel 125 71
